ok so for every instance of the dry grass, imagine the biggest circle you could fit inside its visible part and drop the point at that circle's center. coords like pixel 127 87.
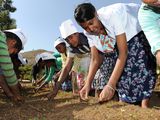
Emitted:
pixel 67 107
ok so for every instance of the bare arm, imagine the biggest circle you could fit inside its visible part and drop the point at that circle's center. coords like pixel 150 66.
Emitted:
pixel 109 90
pixel 96 60
pixel 65 71
pixel 121 60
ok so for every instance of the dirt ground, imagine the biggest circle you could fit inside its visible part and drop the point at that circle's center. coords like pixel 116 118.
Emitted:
pixel 68 107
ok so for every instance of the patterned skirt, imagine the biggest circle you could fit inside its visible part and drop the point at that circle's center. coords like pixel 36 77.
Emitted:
pixel 139 75
pixel 105 70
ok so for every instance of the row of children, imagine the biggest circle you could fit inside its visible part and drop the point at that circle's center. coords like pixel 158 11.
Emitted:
pixel 48 65
pixel 114 53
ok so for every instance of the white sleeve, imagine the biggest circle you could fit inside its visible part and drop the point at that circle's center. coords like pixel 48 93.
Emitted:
pixel 70 54
pixel 90 39
pixel 116 22
pixel 91 42
pixel 94 42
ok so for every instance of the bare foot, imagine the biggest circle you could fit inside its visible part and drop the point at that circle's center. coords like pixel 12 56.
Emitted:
pixel 145 103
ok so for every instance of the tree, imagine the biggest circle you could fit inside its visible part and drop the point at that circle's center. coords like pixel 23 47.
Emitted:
pixel 6 22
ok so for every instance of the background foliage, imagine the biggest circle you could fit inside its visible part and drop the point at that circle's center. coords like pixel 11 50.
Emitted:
pixel 25 72
pixel 6 22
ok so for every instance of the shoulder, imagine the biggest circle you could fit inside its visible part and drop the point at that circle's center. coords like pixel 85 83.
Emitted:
pixel 109 13
pixel 2 34
pixel 118 8
pixel 2 37
pixel 111 8
pixel 69 52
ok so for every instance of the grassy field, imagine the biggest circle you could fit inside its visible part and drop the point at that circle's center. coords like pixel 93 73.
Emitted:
pixel 68 107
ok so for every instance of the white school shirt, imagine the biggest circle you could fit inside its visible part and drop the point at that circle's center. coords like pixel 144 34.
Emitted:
pixel 69 53
pixel 117 19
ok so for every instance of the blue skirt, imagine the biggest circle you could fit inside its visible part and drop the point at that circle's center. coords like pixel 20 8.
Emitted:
pixel 139 75
pixel 104 72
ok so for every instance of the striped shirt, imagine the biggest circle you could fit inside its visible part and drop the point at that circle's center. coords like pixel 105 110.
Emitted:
pixel 6 64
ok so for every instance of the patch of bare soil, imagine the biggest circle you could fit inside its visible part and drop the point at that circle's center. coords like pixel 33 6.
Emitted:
pixel 68 107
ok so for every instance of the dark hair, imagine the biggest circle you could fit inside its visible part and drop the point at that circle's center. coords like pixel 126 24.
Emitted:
pixel 84 12
pixel 63 44
pixel 14 58
pixel 18 44
pixel 40 60
pixel 53 61
pixel 50 60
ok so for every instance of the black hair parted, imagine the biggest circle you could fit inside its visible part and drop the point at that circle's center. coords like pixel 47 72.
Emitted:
pixel 84 12
pixel 18 44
